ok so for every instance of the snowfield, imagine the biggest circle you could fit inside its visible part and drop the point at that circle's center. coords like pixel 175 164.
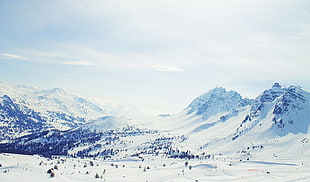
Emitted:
pixel 24 168
pixel 220 136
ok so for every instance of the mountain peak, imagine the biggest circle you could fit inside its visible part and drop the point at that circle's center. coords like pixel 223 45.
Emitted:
pixel 215 101
pixel 289 109
pixel 271 94
pixel 55 91
pixel 218 90
pixel 58 89
pixel 276 85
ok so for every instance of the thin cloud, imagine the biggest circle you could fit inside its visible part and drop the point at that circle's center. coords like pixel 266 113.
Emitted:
pixel 13 56
pixel 79 63
pixel 168 69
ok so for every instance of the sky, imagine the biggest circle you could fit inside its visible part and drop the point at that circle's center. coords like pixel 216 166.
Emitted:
pixel 156 55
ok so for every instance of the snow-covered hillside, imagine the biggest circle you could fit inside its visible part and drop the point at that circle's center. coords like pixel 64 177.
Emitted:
pixel 216 101
pixel 277 116
pixel 220 132
pixel 106 123
pixel 55 100
pixel 27 109
pixel 16 121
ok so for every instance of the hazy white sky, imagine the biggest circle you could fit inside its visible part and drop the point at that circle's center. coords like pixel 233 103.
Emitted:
pixel 157 55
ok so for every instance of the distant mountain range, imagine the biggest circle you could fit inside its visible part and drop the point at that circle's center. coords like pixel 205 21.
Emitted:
pixel 25 110
pixel 55 122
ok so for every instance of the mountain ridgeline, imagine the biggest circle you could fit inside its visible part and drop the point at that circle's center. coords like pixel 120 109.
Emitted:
pixel 26 110
pixel 55 122
pixel 216 101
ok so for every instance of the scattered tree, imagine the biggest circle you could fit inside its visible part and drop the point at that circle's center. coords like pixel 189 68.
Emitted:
pixel 49 171
pixel 56 167
pixel 186 163
pixel 52 174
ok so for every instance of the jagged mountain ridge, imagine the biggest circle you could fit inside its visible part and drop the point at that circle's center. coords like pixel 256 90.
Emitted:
pixel 27 109
pixel 16 121
pixel 56 100
pixel 276 120
pixel 282 103
pixel 217 122
pixel 279 115
pixel 288 108
pixel 215 101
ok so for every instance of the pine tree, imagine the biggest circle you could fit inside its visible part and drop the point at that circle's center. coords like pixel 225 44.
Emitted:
pixel 52 174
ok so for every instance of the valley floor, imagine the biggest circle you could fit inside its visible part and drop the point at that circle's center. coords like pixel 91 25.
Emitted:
pixel 24 168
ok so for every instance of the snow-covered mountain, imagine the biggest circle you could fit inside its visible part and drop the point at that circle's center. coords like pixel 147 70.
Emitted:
pixel 27 109
pixel 216 101
pixel 16 121
pixel 106 123
pixel 276 121
pixel 216 123
pixel 55 100
pixel 219 136
pixel 282 110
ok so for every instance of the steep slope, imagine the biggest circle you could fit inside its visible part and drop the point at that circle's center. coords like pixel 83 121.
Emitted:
pixel 55 100
pixel 27 109
pixel 279 110
pixel 216 124
pixel 16 121
pixel 216 101
pixel 207 110
pixel 106 141
pixel 277 121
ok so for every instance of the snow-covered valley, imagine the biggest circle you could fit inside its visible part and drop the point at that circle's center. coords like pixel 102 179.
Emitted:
pixel 16 167
pixel 220 136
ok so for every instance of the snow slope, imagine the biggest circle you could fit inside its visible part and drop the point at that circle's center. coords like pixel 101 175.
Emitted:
pixel 216 101
pixel 277 120
pixel 27 109
pixel 106 123
pixel 222 136
pixel 55 100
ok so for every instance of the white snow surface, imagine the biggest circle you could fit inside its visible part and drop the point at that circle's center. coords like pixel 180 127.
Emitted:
pixel 57 100
pixel 22 168
pixel 267 140
pixel 106 123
